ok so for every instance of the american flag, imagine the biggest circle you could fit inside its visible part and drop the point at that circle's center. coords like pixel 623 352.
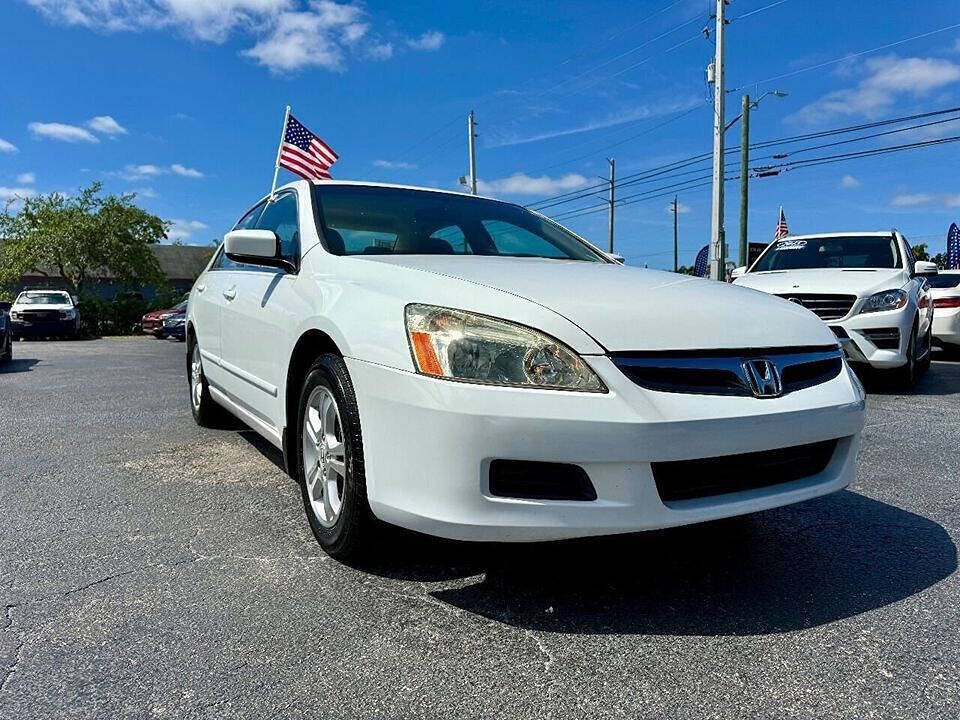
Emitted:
pixel 953 247
pixel 782 231
pixel 304 153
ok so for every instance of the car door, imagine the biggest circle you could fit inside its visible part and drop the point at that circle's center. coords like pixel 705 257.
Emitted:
pixel 208 301
pixel 258 319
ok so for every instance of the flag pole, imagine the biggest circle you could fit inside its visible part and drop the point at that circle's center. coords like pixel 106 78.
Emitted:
pixel 276 164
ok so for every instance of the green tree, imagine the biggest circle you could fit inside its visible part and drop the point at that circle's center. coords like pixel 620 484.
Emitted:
pixel 941 260
pixel 920 252
pixel 81 237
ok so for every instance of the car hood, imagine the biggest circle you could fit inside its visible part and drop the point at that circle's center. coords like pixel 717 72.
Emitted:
pixel 834 281
pixel 625 308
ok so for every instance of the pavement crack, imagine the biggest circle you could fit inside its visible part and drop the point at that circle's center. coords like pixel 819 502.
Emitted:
pixel 544 650
pixel 102 580
pixel 10 669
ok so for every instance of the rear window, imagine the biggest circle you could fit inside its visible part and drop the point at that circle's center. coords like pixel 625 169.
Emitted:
pixel 950 280
pixel 854 251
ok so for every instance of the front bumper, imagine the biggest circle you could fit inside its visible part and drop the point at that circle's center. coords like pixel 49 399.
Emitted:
pixel 860 343
pixel 428 446
pixel 43 328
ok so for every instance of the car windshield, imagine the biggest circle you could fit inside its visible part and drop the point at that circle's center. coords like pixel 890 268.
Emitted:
pixel 43 299
pixel 182 305
pixel 854 251
pixel 362 220
pixel 944 280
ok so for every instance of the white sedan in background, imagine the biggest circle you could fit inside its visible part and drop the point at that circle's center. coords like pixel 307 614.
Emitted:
pixel 945 291
pixel 466 368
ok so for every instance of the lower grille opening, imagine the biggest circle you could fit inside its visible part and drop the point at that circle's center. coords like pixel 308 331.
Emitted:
pixel 530 480
pixel 884 338
pixel 710 477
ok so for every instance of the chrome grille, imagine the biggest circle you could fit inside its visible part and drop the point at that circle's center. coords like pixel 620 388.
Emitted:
pixel 40 315
pixel 826 307
pixel 722 372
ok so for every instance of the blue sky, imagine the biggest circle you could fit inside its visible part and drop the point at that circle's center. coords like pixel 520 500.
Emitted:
pixel 182 100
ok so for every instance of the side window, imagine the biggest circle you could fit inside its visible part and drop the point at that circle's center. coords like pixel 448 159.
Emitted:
pixel 247 222
pixel 281 217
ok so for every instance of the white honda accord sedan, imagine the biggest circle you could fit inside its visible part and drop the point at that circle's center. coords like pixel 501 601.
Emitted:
pixel 466 368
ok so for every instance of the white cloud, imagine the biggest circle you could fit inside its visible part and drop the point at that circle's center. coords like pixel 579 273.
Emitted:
pixel 61 131
pixel 682 209
pixel 381 51
pixel 522 184
pixel 27 178
pixel 183 229
pixel 394 165
pixel 7 147
pixel 907 200
pixel 431 40
pixel 139 172
pixel 145 192
pixel 886 80
pixel 15 194
pixel 849 181
pixel 314 38
pixel 178 169
pixel 106 125
pixel 640 113
pixel 288 34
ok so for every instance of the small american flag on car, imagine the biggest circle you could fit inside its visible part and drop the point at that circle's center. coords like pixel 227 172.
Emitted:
pixel 782 231
pixel 305 154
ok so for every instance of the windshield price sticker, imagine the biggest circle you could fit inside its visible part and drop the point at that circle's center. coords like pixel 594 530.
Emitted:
pixel 791 244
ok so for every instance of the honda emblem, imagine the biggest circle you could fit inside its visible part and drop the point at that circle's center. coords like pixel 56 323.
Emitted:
pixel 763 377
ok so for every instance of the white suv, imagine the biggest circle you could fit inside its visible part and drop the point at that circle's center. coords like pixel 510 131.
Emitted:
pixel 44 313
pixel 467 368
pixel 866 286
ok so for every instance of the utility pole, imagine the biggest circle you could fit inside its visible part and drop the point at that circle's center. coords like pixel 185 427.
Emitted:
pixel 744 176
pixel 610 222
pixel 717 250
pixel 675 211
pixel 471 134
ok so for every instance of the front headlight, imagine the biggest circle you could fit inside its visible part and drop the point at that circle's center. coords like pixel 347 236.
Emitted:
pixel 14 315
pixel 886 300
pixel 68 314
pixel 460 345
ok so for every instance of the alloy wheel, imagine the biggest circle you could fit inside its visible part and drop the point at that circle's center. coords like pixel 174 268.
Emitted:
pixel 196 377
pixel 324 456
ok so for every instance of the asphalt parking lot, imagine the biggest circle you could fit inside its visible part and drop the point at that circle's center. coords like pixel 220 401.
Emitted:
pixel 151 568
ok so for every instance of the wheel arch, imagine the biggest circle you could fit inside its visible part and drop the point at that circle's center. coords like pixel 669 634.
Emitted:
pixel 311 344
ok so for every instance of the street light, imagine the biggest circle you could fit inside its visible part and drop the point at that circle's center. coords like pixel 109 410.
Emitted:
pixel 744 115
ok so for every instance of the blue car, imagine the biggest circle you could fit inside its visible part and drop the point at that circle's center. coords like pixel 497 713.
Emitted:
pixel 174 327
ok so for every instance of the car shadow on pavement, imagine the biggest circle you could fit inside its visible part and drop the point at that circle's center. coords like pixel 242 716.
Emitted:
pixel 784 570
pixel 18 365
pixel 943 378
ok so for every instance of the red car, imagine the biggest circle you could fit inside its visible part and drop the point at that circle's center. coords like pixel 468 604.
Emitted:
pixel 152 322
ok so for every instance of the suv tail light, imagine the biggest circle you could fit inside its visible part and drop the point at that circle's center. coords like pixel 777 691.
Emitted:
pixel 946 302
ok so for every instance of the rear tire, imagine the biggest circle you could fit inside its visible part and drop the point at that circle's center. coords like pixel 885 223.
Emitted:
pixel 206 412
pixel 328 452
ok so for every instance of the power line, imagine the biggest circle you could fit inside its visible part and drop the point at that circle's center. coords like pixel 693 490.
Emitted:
pixel 817 66
pixel 572 195
pixel 758 10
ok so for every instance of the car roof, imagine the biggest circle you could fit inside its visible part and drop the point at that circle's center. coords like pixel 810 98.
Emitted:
pixel 395 186
pixel 852 233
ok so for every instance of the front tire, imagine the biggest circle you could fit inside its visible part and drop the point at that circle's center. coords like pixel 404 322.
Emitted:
pixel 330 469
pixel 906 377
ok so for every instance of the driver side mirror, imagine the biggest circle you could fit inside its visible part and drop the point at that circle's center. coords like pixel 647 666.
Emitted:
pixel 256 247
pixel 922 267
pixel 737 272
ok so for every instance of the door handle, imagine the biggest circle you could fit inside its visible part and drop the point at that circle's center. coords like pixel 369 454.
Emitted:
pixel 230 293
pixel 201 288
